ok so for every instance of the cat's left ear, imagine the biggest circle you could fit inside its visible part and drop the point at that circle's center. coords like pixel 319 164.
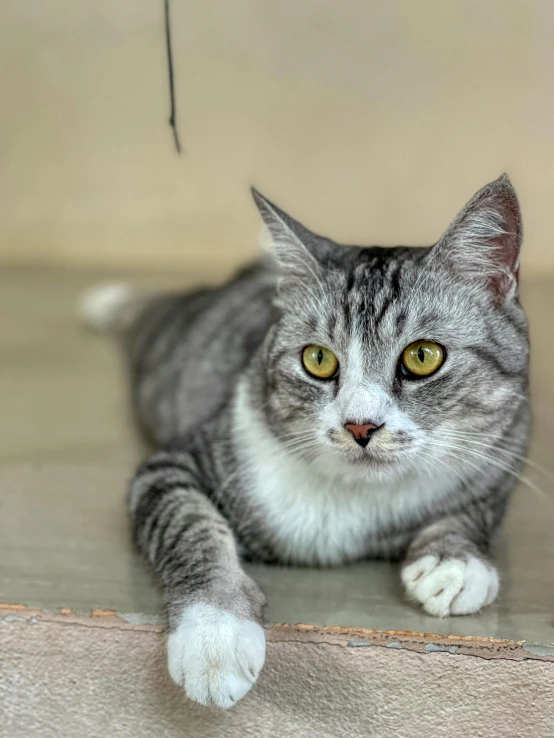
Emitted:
pixel 299 252
pixel 484 241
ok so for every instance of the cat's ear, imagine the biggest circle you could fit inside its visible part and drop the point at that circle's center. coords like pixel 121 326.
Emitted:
pixel 484 241
pixel 297 250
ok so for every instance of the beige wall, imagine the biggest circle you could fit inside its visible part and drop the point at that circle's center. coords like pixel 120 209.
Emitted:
pixel 371 121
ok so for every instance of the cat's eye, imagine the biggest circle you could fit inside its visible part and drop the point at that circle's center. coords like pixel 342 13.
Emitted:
pixel 422 358
pixel 320 362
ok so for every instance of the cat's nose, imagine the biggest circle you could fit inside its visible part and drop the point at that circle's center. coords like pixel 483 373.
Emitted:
pixel 363 432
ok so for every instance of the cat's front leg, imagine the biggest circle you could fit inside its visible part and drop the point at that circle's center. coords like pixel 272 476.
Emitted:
pixel 447 572
pixel 216 643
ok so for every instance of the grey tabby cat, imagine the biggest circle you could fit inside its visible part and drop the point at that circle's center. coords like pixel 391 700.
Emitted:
pixel 335 404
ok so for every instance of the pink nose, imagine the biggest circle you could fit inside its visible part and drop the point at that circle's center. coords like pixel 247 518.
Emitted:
pixel 362 433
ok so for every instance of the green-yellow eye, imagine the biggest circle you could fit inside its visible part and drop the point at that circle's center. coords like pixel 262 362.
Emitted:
pixel 422 358
pixel 319 361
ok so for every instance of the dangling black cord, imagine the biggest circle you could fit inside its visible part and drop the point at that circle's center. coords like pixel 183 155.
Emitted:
pixel 172 116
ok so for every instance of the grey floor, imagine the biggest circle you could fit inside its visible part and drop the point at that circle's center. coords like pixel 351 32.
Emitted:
pixel 67 449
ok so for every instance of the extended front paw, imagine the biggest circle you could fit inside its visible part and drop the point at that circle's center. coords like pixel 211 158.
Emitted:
pixel 215 655
pixel 450 586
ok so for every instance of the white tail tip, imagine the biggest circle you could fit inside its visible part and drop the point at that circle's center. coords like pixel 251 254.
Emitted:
pixel 101 306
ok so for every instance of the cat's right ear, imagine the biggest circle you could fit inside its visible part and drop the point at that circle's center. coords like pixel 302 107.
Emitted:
pixel 295 248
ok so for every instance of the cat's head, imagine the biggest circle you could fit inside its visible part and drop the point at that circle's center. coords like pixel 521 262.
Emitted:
pixel 384 360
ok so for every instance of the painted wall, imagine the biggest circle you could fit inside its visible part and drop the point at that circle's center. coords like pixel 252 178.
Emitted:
pixel 373 122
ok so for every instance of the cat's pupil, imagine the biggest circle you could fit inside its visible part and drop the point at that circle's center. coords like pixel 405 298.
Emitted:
pixel 421 354
pixel 320 356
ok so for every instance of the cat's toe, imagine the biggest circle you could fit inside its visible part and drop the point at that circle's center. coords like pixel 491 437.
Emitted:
pixel 450 586
pixel 480 588
pixel 215 655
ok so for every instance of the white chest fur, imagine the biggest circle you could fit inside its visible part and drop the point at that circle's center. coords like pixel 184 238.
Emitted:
pixel 316 517
pixel 312 520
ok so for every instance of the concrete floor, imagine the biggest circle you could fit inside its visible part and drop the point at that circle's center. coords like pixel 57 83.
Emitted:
pixel 67 449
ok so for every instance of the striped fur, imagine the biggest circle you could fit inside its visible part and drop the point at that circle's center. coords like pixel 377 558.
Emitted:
pixel 254 456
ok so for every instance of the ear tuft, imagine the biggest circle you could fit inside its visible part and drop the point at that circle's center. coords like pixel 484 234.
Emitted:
pixel 483 242
pixel 292 244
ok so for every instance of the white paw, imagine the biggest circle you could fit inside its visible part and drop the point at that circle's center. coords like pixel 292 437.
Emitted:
pixel 214 655
pixel 451 586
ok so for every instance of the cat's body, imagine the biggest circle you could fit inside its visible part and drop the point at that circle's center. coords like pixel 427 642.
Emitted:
pixel 257 452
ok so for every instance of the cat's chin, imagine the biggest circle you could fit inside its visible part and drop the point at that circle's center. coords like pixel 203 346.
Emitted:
pixel 364 465
pixel 379 467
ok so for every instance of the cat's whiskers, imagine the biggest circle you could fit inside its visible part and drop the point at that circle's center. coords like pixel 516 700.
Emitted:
pixel 297 444
pixel 295 433
pixel 473 452
pixel 304 440
pixel 300 447
pixel 472 437
pixel 435 460
pixel 458 452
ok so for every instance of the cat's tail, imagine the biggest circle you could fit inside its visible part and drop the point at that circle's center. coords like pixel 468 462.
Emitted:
pixel 108 308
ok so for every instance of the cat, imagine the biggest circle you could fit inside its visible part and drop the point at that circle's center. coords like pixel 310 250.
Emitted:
pixel 328 404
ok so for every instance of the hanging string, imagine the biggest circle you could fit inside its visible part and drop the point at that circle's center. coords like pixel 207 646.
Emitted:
pixel 173 114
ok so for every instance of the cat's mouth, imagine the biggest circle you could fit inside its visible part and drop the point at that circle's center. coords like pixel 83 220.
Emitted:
pixel 370 456
pixel 381 451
